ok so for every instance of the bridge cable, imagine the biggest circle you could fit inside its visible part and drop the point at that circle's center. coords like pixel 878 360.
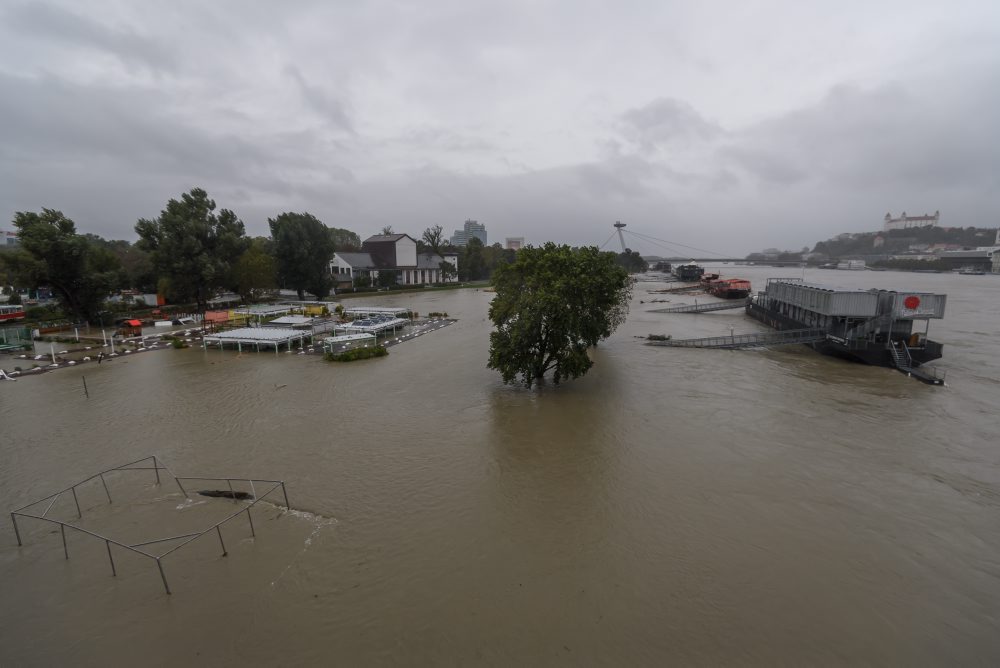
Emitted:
pixel 646 237
pixel 671 249
pixel 607 240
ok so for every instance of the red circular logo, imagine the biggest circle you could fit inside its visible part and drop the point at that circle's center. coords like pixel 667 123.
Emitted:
pixel 911 302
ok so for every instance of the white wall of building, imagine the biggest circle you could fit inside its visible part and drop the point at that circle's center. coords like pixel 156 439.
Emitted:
pixel 406 252
pixel 339 266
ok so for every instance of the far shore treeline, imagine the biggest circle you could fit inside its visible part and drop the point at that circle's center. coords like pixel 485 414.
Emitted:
pixel 194 250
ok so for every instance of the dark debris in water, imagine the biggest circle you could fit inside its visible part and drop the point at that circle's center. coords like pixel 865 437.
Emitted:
pixel 226 494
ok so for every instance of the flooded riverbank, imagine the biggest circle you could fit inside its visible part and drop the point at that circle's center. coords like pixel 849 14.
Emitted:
pixel 685 506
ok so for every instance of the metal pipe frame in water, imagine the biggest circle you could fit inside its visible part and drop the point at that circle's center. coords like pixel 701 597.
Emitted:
pixel 134 548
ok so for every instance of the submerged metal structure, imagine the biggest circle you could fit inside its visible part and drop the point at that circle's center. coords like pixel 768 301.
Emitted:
pixel 135 547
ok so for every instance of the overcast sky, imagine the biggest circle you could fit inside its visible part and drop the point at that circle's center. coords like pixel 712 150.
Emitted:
pixel 727 126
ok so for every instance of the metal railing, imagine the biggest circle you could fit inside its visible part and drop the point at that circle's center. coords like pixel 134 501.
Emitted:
pixel 702 308
pixel 746 340
pixel 134 547
pixel 906 351
pixel 933 372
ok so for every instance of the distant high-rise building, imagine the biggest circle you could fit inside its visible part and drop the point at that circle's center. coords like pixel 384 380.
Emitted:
pixel 514 243
pixel 8 238
pixel 471 229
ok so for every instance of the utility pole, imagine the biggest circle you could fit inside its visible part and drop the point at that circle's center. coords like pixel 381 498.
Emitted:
pixel 619 225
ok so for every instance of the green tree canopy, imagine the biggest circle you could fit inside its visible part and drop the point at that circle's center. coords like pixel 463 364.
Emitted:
pixel 448 270
pixel 632 262
pixel 303 248
pixel 345 240
pixel 80 272
pixel 256 272
pixel 137 265
pixel 552 304
pixel 387 278
pixel 472 263
pixel 192 247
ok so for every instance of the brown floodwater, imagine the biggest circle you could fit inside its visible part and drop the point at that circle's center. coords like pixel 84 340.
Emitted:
pixel 672 507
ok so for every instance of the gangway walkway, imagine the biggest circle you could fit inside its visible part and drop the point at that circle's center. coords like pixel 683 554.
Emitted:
pixel 759 340
pixel 684 288
pixel 703 308
pixel 903 362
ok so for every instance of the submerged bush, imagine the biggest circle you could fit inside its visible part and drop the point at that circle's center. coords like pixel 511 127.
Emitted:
pixel 177 342
pixel 356 354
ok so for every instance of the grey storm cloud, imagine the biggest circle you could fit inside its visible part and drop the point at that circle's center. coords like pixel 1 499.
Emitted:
pixel 57 26
pixel 664 122
pixel 716 134
pixel 323 103
pixel 937 135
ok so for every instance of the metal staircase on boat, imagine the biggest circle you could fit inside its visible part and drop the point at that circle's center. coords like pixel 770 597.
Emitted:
pixel 900 359
pixel 903 362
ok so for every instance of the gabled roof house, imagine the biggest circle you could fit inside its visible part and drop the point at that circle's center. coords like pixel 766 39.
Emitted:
pixel 391 252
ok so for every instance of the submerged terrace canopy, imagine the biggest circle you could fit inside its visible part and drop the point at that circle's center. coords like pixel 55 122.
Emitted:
pixel 292 320
pixel 376 310
pixel 259 336
pixel 263 310
pixel 376 324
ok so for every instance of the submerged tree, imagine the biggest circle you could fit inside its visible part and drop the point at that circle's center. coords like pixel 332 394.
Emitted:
pixel 303 247
pixel 552 304
pixel 80 272
pixel 192 247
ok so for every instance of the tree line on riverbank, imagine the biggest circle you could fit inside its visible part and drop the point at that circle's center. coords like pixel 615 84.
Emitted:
pixel 191 252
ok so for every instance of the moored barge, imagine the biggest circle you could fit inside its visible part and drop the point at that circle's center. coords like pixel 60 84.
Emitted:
pixel 689 271
pixel 729 288
pixel 870 326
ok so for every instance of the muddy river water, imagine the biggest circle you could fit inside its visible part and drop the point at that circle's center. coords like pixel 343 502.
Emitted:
pixel 674 506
